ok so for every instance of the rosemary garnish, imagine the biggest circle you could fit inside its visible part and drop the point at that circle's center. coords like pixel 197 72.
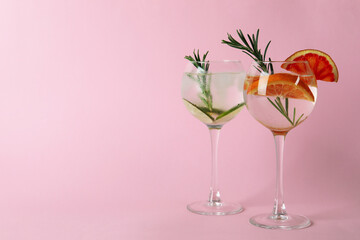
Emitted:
pixel 202 67
pixel 251 49
pixel 285 111
pixel 197 62
pixel 223 114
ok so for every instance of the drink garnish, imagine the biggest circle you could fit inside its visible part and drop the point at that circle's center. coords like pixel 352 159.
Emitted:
pixel 198 112
pixel 320 63
pixel 209 117
pixel 229 114
pixel 278 86
pixel 281 84
pixel 197 62
pixel 285 110
pixel 202 67
pixel 207 114
pixel 251 49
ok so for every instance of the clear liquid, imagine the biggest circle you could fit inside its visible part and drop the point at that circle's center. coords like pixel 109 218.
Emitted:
pixel 263 111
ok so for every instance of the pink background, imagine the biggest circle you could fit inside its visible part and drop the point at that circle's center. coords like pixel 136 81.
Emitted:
pixel 95 142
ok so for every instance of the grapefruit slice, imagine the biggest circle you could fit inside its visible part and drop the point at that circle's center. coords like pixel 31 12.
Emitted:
pixel 320 63
pixel 280 84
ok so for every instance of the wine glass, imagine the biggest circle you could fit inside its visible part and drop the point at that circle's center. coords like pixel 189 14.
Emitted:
pixel 280 95
pixel 212 91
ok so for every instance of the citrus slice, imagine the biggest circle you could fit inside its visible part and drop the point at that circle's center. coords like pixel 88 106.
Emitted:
pixel 198 113
pixel 320 63
pixel 246 85
pixel 280 84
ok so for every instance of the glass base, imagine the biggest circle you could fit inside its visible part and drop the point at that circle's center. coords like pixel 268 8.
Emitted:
pixel 287 222
pixel 217 208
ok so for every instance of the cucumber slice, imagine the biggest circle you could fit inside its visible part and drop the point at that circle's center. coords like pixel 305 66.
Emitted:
pixel 198 112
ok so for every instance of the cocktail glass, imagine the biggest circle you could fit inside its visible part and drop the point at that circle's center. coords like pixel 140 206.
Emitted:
pixel 280 95
pixel 214 95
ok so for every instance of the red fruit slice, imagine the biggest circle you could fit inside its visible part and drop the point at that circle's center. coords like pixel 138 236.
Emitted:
pixel 320 63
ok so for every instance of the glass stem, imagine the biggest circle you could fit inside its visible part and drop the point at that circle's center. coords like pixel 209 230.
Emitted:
pixel 214 197
pixel 279 211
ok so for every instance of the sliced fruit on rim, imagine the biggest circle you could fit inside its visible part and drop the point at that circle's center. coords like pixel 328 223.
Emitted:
pixel 320 63
pixel 198 113
pixel 280 84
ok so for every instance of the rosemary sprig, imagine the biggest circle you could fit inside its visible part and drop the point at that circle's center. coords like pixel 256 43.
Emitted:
pixel 251 49
pixel 285 110
pixel 197 62
pixel 202 67
pixel 223 114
